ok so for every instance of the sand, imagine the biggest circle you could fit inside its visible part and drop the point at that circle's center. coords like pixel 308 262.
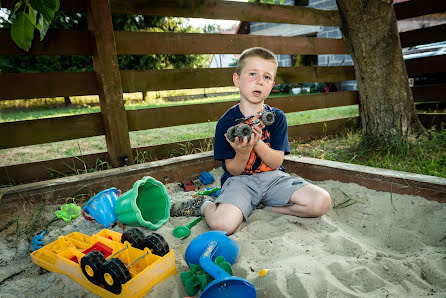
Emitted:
pixel 384 245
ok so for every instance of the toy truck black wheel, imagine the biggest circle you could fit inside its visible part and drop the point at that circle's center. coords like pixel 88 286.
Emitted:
pixel 114 274
pixel 157 244
pixel 231 133
pixel 268 118
pixel 243 130
pixel 135 237
pixel 91 265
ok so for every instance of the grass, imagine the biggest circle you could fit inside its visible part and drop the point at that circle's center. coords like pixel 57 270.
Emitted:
pixel 424 156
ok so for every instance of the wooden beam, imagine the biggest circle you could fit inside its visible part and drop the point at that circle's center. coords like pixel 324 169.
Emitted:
pixel 37 171
pixel 290 104
pixel 56 84
pixel 31 132
pixel 432 64
pixel 171 79
pixel 199 113
pixel 142 43
pixel 429 93
pixel 416 8
pixel 57 168
pixel 213 9
pixel 70 42
pixel 423 36
pixel 56 42
pixel 429 187
pixel 106 67
pixel 229 10
pixel 46 84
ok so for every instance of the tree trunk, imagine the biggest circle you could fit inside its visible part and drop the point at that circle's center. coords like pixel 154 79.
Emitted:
pixel 370 31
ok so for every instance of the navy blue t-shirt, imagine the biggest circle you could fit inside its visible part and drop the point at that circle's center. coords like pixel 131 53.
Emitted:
pixel 274 135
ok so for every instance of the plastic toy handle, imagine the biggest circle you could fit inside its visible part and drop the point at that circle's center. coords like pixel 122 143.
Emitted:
pixel 194 222
pixel 210 267
pixel 85 216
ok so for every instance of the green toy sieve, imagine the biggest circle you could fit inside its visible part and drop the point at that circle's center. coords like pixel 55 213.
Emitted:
pixel 145 204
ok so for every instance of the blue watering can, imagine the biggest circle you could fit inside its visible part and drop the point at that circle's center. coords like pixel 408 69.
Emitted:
pixel 203 250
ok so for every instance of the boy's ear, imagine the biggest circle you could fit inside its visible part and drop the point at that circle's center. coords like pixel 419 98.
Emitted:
pixel 236 79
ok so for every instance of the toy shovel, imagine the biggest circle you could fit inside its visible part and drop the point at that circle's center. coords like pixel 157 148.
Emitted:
pixel 184 231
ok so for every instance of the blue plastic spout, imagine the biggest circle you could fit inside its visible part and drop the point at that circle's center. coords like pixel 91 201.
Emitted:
pixel 224 284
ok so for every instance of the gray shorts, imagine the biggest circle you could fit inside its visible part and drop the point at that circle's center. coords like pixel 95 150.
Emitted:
pixel 272 188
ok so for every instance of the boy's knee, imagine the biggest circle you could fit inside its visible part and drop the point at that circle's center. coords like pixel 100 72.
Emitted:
pixel 222 224
pixel 322 203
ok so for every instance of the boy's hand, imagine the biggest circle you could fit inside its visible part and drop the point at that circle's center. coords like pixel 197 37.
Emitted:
pixel 244 146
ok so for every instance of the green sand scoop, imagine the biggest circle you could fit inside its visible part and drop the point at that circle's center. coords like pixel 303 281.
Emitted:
pixel 184 231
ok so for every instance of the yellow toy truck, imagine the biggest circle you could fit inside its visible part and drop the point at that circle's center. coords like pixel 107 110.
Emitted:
pixel 110 264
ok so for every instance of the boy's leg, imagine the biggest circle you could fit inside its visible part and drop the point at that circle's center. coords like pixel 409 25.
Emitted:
pixel 234 203
pixel 223 217
pixel 308 201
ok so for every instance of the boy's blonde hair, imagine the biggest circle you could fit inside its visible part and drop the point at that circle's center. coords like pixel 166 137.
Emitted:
pixel 254 52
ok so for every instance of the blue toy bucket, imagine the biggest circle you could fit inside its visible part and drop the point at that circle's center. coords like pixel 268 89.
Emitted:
pixel 102 207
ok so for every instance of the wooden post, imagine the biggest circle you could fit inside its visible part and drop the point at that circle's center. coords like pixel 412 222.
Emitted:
pixel 105 62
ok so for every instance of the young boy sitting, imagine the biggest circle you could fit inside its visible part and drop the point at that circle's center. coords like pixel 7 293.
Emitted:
pixel 253 171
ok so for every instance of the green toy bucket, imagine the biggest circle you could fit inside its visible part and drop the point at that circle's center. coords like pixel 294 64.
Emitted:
pixel 146 204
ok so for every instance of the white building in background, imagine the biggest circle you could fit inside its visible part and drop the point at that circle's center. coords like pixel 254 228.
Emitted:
pixel 224 60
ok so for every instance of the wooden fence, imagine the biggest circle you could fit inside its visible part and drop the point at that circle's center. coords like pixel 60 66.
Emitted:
pixel 104 44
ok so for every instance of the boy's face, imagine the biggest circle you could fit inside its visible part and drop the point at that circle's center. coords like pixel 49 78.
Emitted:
pixel 256 79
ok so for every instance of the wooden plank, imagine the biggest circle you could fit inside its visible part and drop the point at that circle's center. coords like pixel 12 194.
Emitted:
pixel 105 62
pixel 429 187
pixel 423 36
pixel 214 9
pixel 416 8
pixel 57 168
pixel 228 10
pixel 429 93
pixel 56 84
pixel 166 171
pixel 30 132
pixel 48 84
pixel 199 113
pixel 56 42
pixel 70 42
pixel 290 104
pixel 426 65
pixel 65 5
pixel 170 79
pixel 142 43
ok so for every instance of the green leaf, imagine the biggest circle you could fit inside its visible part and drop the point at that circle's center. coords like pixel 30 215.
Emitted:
pixel 22 31
pixel 43 26
pixel 32 15
pixel 16 7
pixel 47 8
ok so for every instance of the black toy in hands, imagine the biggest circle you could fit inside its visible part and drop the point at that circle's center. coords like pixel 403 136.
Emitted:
pixel 243 127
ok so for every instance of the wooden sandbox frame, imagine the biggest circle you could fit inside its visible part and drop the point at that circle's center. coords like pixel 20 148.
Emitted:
pixel 190 166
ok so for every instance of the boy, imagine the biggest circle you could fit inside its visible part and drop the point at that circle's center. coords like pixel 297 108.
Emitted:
pixel 253 168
